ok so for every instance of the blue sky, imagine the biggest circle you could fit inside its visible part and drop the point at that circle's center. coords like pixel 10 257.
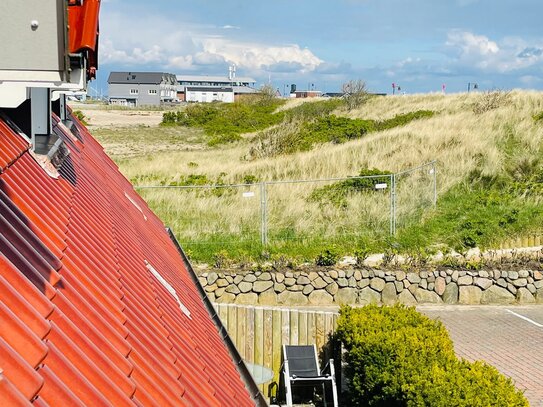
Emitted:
pixel 418 44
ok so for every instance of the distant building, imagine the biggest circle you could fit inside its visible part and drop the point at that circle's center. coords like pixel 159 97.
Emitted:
pixel 213 88
pixel 142 88
pixel 306 94
pixel 206 94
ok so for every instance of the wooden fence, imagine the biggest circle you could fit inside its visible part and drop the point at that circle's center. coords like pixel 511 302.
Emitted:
pixel 520 242
pixel 260 332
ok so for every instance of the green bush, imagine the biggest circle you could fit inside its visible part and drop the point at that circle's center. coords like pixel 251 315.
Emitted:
pixel 81 117
pixel 403 119
pixel 538 117
pixel 337 193
pixel 328 257
pixel 399 357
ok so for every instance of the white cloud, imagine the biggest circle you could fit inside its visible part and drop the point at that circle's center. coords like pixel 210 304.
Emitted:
pixel 480 52
pixel 161 42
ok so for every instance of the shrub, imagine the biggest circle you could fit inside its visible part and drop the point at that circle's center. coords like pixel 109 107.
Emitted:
pixel 81 117
pixel 338 193
pixel 399 357
pixel 491 100
pixel 538 117
pixel 328 257
pixel 403 119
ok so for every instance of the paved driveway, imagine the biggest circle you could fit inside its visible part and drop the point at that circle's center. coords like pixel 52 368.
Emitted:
pixel 509 338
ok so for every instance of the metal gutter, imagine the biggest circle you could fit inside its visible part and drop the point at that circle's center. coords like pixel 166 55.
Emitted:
pixel 246 376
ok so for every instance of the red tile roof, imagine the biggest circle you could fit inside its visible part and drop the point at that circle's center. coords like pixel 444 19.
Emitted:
pixel 96 304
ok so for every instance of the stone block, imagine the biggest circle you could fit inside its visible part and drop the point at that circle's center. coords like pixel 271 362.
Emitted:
pixel 388 296
pixel 520 282
pixel 296 287
pixel 279 287
pixel 292 298
pixel 320 297
pixel 279 277
pixel 399 286
pixel 502 282
pixel 407 298
pixel 377 284
pixel 222 282
pixel 332 288
pixel 357 275
pixel 230 279
pixel 342 282
pixel 227 298
pixel 219 292
pixel 455 274
pixel 303 280
pixel 233 289
pixel 400 275
pixel 364 283
pixel 238 279
pixel 266 276
pixel 290 281
pixel 538 275
pixel 497 295
pixel 250 278
pixel 333 274
pixel 319 283
pixel 203 281
pixel 423 284
pixel 369 296
pixel 313 276
pixel 261 286
pixel 439 286
pixel 352 282
pixel 212 277
pixel 308 289
pixel 523 274
pixel 211 288
pixel 470 295
pixel 484 283
pixel 247 299
pixel 531 288
pixel 346 296
pixel 245 286
pixel 268 297
pixel 512 275
pixel 427 297
pixel 483 274
pixel 465 280
pixel 539 296
pixel 341 274
pixel 413 278
pixel 524 296
pixel 450 295
pixel 512 288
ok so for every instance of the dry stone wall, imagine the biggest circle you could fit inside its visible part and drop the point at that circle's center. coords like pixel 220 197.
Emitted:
pixel 353 286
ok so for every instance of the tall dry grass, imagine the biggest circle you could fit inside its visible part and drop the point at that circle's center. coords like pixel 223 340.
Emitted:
pixel 460 140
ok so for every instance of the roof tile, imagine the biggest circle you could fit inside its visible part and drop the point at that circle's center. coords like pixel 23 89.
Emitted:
pixel 95 296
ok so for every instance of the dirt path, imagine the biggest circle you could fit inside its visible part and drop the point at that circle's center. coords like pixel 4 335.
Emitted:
pixel 98 116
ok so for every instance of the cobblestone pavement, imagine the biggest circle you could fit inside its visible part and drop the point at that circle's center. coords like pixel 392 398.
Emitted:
pixel 507 337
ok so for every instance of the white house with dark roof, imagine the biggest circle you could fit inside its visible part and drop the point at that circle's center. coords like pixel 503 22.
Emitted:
pixel 204 88
pixel 142 88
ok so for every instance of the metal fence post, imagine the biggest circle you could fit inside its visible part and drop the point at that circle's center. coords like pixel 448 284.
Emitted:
pixel 393 204
pixel 435 182
pixel 391 193
pixel 264 214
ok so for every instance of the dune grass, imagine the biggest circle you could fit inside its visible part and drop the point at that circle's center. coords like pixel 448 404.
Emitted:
pixel 489 172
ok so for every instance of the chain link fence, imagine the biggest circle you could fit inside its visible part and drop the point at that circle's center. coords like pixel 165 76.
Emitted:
pixel 282 212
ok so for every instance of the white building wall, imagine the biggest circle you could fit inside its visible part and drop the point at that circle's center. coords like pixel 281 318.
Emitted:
pixel 209 96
